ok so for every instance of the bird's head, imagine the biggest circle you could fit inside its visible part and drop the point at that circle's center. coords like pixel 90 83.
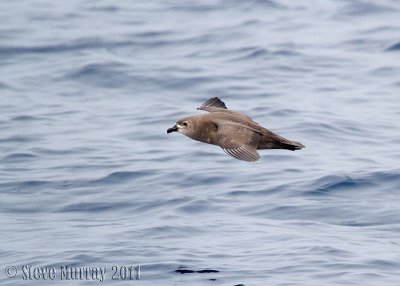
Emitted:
pixel 184 126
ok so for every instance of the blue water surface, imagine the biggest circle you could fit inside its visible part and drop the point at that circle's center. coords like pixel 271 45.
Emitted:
pixel 90 178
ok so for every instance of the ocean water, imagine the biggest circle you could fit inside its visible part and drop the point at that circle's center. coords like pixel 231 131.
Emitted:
pixel 89 177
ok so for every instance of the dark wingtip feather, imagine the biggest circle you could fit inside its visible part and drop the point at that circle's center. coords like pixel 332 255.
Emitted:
pixel 213 102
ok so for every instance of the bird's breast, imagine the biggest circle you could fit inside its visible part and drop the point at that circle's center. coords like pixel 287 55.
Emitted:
pixel 207 133
pixel 208 136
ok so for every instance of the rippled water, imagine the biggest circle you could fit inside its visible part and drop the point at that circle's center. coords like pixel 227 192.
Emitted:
pixel 89 177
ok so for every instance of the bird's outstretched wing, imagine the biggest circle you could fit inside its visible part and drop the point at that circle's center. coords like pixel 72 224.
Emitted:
pixel 212 105
pixel 238 141
pixel 216 105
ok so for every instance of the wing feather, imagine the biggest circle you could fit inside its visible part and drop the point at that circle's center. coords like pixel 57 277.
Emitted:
pixel 213 104
pixel 238 142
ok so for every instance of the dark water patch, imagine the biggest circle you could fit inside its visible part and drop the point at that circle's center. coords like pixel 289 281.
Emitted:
pixel 94 207
pixel 25 118
pixel 196 7
pixel 379 29
pixel 204 38
pixel 4 86
pixel 255 4
pixel 262 110
pixel 211 180
pixel 106 75
pixel 116 75
pixel 329 184
pixel 18 139
pixel 280 189
pixel 285 53
pixel 152 34
pixel 27 186
pixel 80 260
pixel 158 205
pixel 385 71
pixel 249 53
pixel 247 5
pixel 72 46
pixel 383 264
pixel 160 136
pixel 106 8
pixel 122 177
pixel 25 208
pixel 284 112
pixel 195 179
pixel 364 8
pixel 184 270
pixel 52 187
pixel 17 157
pixel 393 48
pixel 385 177
pixel 252 22
pixel 61 152
pixel 181 71
pixel 169 231
pixel 358 224
pixel 90 69
pixel 11 32
pixel 336 183
pixel 197 206
pixel 185 83
pixel 328 250
pixel 326 213
pixel 240 193
pixel 61 113
pixel 18 50
pixel 348 266
pixel 357 42
pixel 323 130
pixel 291 68
pixel 207 271
pixel 151 43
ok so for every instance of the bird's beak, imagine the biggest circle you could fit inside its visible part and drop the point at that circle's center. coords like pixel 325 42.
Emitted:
pixel 173 129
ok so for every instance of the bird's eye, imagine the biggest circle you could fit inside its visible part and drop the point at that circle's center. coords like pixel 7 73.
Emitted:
pixel 185 123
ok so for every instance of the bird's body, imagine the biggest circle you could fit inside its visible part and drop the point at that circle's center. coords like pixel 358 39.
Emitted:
pixel 237 134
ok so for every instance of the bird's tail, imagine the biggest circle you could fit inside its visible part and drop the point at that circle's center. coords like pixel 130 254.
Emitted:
pixel 289 145
pixel 274 141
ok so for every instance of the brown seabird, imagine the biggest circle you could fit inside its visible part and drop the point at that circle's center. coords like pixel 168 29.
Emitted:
pixel 237 134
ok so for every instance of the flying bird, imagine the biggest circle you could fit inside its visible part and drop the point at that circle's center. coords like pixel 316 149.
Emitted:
pixel 237 134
